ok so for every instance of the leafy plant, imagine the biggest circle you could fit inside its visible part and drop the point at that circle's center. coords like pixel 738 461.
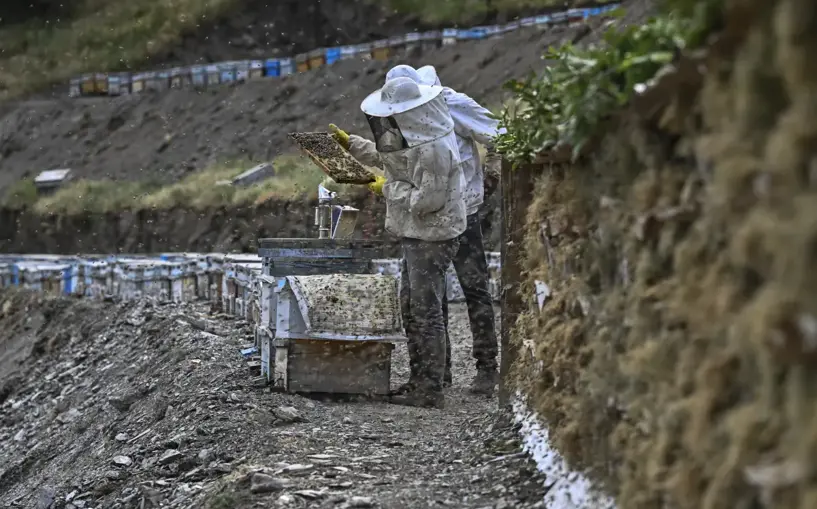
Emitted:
pixel 582 86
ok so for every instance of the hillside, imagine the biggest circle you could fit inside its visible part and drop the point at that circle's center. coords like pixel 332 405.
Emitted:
pixel 45 42
pixel 164 137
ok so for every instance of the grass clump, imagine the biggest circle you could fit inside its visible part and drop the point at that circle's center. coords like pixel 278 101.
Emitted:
pixel 99 196
pixel 296 178
pixel 465 12
pixel 21 194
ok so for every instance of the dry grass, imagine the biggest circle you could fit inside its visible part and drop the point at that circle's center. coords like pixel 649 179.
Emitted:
pixel 465 12
pixel 295 178
pixel 105 35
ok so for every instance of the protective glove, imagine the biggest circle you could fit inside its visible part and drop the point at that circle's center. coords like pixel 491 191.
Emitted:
pixel 377 186
pixel 340 136
pixel 493 164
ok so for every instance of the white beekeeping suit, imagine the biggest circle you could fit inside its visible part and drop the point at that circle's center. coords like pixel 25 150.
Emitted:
pixel 416 147
pixel 473 125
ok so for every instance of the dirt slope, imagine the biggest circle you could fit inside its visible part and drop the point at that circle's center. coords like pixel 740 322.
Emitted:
pixel 162 137
pixel 126 406
pixel 675 357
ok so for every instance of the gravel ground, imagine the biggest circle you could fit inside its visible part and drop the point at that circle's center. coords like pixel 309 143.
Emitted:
pixel 126 405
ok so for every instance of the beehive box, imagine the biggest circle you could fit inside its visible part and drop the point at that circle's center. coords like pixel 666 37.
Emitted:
pixel 287 66
pixel 138 82
pixel 198 76
pixel 235 279
pixel 272 67
pixel 97 278
pixel 334 334
pixel 75 87
pixel 202 278
pixel 242 70
pixel 215 278
pixel 348 52
pixel 317 58
pixel 302 62
pixel 213 75
pixel 162 81
pixel 136 278
pixel 450 36
pixel 43 276
pixel 256 69
pixel 381 50
pixel 87 86
pixel 114 84
pixel 5 273
pixel 101 83
pixel 246 279
pixel 152 81
pixel 332 55
pixel 364 51
pixel 176 78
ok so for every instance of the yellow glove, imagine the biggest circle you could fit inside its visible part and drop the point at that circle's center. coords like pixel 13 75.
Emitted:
pixel 377 186
pixel 340 136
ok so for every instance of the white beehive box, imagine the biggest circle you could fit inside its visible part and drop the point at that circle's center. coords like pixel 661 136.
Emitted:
pixel 333 334
pixel 137 278
pixel 215 279
pixel 97 278
pixel 5 273
pixel 43 276
pixel 235 281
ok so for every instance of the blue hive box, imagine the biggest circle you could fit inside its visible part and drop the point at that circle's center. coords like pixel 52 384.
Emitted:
pixel 332 55
pixel 272 67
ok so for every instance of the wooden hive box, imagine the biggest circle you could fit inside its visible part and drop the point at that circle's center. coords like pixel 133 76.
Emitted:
pixel 334 334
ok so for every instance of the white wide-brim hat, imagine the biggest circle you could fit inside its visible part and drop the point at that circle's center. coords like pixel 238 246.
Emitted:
pixel 428 75
pixel 398 96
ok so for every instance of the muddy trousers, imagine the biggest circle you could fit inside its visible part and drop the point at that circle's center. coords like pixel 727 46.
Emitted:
pixel 471 267
pixel 422 293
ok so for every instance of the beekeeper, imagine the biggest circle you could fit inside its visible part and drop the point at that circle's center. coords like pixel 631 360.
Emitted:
pixel 473 125
pixel 423 185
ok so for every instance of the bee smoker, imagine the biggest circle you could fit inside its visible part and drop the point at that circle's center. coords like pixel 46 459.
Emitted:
pixel 323 212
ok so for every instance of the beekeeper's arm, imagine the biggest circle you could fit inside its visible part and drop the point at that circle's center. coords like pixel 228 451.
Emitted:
pixel 364 151
pixel 360 148
pixel 475 122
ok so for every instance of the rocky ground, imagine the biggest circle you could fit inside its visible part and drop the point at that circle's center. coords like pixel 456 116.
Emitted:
pixel 126 405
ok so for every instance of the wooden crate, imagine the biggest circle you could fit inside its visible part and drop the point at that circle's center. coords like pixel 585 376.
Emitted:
pixel 327 340
pixel 332 367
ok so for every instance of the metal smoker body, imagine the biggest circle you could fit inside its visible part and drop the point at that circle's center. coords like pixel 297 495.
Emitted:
pixel 323 212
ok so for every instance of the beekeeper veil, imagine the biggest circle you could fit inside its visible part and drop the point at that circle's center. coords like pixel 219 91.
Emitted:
pixel 404 114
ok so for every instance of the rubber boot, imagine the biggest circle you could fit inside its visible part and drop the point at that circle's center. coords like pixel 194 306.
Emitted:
pixel 418 396
pixel 485 382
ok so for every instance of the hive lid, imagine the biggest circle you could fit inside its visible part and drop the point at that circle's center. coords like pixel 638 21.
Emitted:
pixel 361 306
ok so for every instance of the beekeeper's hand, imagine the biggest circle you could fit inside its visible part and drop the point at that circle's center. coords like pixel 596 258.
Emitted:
pixel 340 136
pixel 377 186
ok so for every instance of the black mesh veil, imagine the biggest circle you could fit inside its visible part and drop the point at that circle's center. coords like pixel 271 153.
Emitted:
pixel 387 135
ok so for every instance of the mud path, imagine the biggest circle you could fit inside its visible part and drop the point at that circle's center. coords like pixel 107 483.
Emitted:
pixel 117 406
